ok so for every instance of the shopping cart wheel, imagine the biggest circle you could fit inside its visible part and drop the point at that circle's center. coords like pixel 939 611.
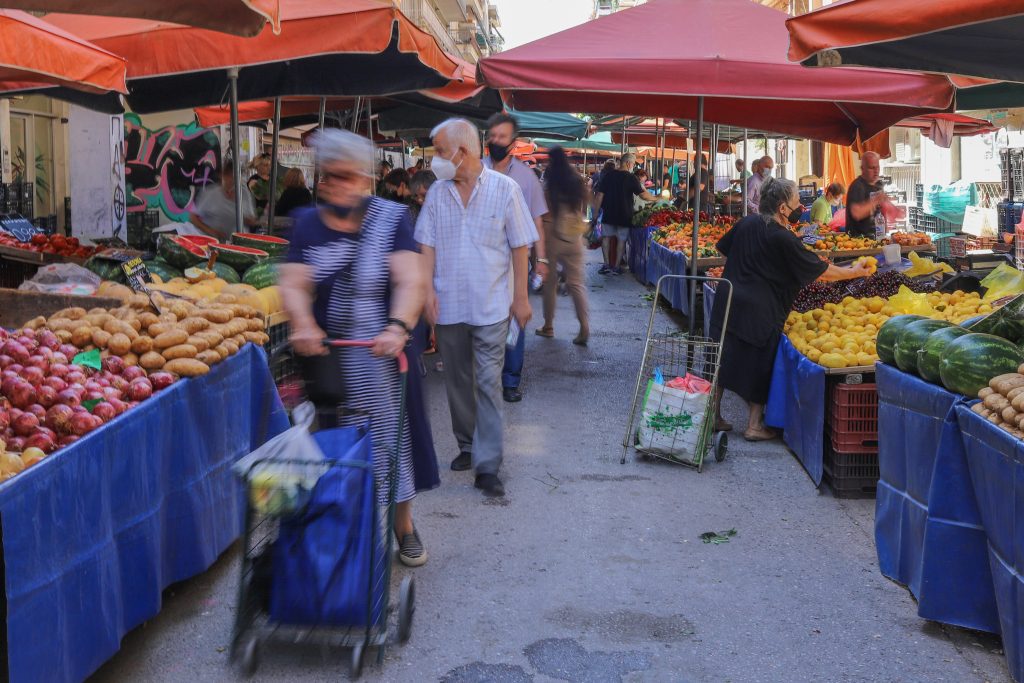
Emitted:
pixel 248 661
pixel 406 608
pixel 721 445
pixel 358 657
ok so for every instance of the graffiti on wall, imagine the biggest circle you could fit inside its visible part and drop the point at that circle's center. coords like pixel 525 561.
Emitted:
pixel 167 168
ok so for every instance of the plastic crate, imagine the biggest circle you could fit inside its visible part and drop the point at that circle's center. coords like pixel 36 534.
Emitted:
pixel 853 418
pixel 941 242
pixel 849 487
pixel 13 273
pixel 1012 173
pixel 278 337
pixel 1009 215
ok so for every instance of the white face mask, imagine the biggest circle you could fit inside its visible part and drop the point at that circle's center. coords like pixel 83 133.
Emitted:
pixel 443 168
pixel 766 173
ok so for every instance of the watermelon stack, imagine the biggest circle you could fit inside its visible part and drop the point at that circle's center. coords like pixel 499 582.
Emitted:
pixel 970 361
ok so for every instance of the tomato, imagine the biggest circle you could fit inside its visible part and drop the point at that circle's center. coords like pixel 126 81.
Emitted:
pixel 39 239
pixel 73 241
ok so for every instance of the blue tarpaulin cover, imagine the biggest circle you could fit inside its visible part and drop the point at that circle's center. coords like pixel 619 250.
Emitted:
pixel 94 533
pixel 996 462
pixel 928 532
pixel 662 261
pixel 796 404
pixel 638 241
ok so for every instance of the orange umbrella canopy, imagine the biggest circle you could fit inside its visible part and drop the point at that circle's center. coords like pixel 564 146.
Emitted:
pixel 35 52
pixel 238 17
pixel 325 47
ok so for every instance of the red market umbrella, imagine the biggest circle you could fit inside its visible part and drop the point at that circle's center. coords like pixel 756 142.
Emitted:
pixel 35 52
pixel 736 63
pixel 978 38
pixel 238 17
pixel 964 126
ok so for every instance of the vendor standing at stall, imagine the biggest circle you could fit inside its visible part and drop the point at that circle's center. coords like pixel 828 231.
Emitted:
pixel 864 200
pixel 214 211
pixel 767 266
pixel 821 209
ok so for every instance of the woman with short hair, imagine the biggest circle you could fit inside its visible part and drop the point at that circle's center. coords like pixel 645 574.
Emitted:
pixel 821 210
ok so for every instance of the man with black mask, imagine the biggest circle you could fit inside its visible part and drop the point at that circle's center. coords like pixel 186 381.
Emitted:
pixel 502 129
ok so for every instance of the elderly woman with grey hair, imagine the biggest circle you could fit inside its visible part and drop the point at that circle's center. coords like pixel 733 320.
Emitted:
pixel 353 271
pixel 767 266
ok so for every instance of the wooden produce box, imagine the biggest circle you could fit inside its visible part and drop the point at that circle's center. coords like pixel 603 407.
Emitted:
pixel 18 307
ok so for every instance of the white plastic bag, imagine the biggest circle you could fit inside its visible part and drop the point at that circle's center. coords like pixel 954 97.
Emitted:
pixel 671 421
pixel 281 473
pixel 63 278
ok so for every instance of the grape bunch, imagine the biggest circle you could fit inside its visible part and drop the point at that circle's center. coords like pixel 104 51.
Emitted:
pixel 817 294
pixel 886 285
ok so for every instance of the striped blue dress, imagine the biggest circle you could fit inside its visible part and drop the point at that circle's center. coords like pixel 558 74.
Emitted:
pixel 352 275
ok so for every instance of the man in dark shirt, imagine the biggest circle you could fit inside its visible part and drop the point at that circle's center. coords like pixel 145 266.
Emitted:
pixel 613 196
pixel 699 182
pixel 864 200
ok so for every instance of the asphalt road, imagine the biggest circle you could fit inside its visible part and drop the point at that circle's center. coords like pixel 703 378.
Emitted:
pixel 594 571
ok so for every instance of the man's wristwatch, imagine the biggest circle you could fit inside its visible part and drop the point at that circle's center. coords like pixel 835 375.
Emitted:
pixel 544 261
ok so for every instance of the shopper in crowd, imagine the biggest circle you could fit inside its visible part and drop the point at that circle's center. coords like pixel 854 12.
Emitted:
pixel 417 167
pixel 296 195
pixel 865 198
pixel 564 227
pixel 767 266
pixel 476 231
pixel 396 186
pixel 353 272
pixel 643 177
pixel 214 212
pixel 762 171
pixel 741 169
pixel 383 168
pixel 613 196
pixel 502 129
pixel 821 209
pixel 700 187
pixel 259 181
pixel 418 186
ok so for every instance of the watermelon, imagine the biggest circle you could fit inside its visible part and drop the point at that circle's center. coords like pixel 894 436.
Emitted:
pixel 226 273
pixel 261 275
pixel 275 246
pixel 886 339
pixel 106 269
pixel 972 320
pixel 203 241
pixel 910 341
pixel 239 258
pixel 969 362
pixel 929 354
pixel 180 252
pixel 162 269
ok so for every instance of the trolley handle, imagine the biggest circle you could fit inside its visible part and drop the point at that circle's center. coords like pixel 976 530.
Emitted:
pixel 403 360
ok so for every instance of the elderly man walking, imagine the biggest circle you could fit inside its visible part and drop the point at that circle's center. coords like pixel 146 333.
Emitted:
pixel 475 231
pixel 762 172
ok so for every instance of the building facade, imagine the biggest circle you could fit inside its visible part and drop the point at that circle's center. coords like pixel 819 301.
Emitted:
pixel 469 29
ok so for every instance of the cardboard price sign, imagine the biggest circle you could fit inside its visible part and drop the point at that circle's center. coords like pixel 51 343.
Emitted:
pixel 137 274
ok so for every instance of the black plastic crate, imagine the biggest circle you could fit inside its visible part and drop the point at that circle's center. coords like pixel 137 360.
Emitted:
pixel 1012 173
pixel 1009 215
pixel 13 273
pixel 278 337
pixel 850 475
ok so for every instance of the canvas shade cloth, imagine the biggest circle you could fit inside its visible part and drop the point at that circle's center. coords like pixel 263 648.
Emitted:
pixel 325 48
pixel 737 64
pixel 34 52
pixel 238 17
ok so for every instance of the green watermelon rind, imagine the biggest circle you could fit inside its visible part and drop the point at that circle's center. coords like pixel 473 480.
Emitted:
pixel 227 253
pixel 262 275
pixel 176 254
pixel 265 243
pixel 928 356
pixel 910 341
pixel 971 361
pixel 885 340
pixel 226 273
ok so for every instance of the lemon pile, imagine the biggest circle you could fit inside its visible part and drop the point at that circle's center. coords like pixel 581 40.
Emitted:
pixel 843 335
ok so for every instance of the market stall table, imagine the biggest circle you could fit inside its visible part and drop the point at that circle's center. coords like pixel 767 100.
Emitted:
pixel 95 532
pixel 928 531
pixel 638 246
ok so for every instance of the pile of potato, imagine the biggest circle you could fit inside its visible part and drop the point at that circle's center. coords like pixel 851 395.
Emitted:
pixel 1002 402
pixel 184 338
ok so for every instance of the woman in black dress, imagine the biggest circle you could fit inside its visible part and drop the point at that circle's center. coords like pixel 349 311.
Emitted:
pixel 768 266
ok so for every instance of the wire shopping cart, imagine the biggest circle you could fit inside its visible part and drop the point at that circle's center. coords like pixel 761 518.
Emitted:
pixel 677 425
pixel 276 506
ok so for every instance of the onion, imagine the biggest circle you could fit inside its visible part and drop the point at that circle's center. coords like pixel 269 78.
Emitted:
pixel 114 364
pixel 56 383
pixel 8 384
pixel 75 376
pixel 46 395
pixel 161 380
pixel 133 372
pixel 43 442
pixel 5 360
pixel 111 392
pixel 33 375
pixel 81 423
pixel 37 361
pixel 23 395
pixel 59 369
pixel 105 411
pixel 16 350
pixel 16 368
pixel 93 395
pixel 119 405
pixel 5 420
pixel 140 389
pixel 59 357
pixel 38 410
pixel 69 397
pixel 67 440
pixel 69 351
pixel 49 432
pixel 58 418
pixel 16 445
pixel 48 340
pixel 26 424
pixel 27 333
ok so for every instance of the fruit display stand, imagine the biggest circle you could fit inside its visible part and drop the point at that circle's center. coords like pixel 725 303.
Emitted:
pixel 94 533
pixel 995 462
pixel 928 531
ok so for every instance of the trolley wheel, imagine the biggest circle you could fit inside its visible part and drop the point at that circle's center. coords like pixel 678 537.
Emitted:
pixel 721 445
pixel 248 660
pixel 358 658
pixel 406 608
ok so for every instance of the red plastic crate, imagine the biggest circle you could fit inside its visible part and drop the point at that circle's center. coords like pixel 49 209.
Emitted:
pixel 853 418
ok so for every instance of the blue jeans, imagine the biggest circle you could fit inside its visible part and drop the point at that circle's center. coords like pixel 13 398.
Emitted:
pixel 512 373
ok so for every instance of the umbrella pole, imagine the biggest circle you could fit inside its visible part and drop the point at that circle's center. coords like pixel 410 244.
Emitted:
pixel 274 147
pixel 236 165
pixel 355 113
pixel 323 117
pixel 692 317
pixel 746 167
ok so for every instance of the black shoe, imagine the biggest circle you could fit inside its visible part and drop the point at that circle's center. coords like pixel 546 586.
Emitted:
pixel 512 395
pixel 462 462
pixel 490 485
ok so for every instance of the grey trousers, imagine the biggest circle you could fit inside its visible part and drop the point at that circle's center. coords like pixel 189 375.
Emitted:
pixel 473 358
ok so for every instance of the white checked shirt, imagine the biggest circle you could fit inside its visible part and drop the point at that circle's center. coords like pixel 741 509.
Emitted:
pixel 473 246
